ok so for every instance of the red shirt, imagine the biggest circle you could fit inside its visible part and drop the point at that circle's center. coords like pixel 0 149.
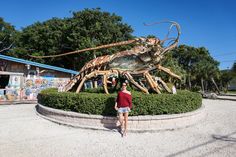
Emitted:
pixel 124 100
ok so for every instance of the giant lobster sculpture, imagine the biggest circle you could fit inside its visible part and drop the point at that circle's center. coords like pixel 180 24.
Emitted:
pixel 137 62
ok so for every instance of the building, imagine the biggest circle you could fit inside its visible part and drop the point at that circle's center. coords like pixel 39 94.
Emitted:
pixel 22 79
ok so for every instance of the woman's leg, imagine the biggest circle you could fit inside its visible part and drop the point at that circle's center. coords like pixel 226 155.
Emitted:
pixel 121 120
pixel 126 122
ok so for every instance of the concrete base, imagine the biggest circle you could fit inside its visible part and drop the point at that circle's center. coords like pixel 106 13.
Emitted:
pixel 147 123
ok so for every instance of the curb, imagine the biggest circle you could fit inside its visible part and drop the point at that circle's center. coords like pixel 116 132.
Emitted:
pixel 147 123
pixel 227 94
pixel 18 102
pixel 230 97
pixel 225 99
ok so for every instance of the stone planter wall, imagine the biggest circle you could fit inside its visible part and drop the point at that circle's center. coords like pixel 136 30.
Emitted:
pixel 135 123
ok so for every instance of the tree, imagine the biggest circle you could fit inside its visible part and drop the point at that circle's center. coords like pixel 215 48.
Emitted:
pixel 198 64
pixel 87 28
pixel 7 32
pixel 41 38
pixel 225 77
pixel 233 69
pixel 186 57
pixel 174 66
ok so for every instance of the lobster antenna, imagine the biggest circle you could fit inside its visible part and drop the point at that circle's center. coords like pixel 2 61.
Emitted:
pixel 173 42
pixel 88 49
pixel 170 28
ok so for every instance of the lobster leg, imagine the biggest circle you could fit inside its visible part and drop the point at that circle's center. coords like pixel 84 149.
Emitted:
pixel 105 82
pixel 168 71
pixel 94 74
pixel 86 77
pixel 152 82
pixel 130 78
pixel 71 83
pixel 163 84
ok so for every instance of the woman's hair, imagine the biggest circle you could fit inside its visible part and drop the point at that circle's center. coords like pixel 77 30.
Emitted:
pixel 124 84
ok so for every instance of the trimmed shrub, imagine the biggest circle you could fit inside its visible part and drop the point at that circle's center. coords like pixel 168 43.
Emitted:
pixel 103 104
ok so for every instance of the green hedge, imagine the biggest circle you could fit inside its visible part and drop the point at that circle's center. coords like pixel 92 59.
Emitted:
pixel 102 104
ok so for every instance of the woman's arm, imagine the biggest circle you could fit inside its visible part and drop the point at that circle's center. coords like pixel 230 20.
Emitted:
pixel 117 99
pixel 116 108
pixel 130 101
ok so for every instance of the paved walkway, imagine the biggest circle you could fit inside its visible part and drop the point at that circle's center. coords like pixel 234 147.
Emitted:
pixel 24 134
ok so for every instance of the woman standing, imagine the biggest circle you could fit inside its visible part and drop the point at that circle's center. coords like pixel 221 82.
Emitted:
pixel 123 106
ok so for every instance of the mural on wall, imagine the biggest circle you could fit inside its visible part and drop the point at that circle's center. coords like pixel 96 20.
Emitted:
pixel 14 81
pixel 2 94
pixel 12 90
pixel 34 85
pixel 30 88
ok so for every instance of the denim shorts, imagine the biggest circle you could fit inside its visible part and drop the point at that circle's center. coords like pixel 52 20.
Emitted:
pixel 123 109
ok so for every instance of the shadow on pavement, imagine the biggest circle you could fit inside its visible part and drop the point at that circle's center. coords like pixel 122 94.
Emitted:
pixel 215 138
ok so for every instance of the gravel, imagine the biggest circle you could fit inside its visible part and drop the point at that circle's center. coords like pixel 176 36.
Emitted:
pixel 24 134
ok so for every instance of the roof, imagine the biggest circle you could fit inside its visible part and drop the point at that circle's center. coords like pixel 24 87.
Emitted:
pixel 13 59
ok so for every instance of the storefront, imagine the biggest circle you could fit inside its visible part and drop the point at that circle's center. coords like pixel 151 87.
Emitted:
pixel 23 80
pixel 10 85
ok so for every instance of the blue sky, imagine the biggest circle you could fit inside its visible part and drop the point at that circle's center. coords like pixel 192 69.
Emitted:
pixel 211 23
